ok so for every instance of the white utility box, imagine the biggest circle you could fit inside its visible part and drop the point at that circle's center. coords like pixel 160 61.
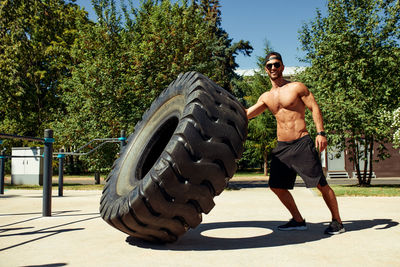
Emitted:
pixel 28 167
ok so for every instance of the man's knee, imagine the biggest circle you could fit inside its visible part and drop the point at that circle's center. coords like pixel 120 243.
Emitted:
pixel 324 188
pixel 279 191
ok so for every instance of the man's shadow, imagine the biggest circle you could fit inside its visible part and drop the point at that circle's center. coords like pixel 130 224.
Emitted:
pixel 197 239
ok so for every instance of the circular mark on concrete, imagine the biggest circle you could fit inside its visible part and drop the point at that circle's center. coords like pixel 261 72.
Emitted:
pixel 237 232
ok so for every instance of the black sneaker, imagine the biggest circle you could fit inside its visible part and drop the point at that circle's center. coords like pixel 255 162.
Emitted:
pixel 335 228
pixel 293 225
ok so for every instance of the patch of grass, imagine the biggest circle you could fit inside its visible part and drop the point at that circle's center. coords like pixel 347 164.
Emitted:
pixel 249 174
pixel 367 191
pixel 55 187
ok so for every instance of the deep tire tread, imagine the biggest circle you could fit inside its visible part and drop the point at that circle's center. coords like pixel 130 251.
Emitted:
pixel 194 167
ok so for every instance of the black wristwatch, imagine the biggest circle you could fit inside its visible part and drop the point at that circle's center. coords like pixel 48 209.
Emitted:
pixel 321 133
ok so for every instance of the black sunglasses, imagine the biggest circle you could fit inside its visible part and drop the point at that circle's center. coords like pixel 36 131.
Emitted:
pixel 276 65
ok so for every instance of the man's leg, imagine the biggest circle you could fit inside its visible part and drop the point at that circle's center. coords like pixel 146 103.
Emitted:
pixel 287 199
pixel 330 199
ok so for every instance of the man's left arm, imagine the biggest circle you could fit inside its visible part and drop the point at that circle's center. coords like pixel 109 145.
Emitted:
pixel 308 98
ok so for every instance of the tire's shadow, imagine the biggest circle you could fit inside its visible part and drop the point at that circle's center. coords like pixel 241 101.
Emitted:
pixel 237 185
pixel 195 239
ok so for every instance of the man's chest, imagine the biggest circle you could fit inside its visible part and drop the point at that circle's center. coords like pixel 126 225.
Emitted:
pixel 283 99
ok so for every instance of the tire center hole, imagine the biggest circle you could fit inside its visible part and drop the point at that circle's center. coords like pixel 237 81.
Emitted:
pixel 156 146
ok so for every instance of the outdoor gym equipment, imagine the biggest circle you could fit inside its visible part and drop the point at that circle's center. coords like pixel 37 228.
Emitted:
pixel 48 141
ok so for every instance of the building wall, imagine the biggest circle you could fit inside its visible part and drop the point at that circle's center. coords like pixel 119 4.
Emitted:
pixel 384 168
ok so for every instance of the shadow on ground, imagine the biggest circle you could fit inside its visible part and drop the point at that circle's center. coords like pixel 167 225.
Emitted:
pixel 34 234
pixel 262 183
pixel 196 239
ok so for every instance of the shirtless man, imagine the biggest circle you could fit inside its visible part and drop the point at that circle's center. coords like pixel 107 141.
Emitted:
pixel 295 152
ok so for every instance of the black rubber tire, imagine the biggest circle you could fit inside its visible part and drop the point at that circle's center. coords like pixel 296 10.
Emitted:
pixel 181 154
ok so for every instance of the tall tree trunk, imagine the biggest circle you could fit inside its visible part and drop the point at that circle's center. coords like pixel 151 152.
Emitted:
pixel 265 164
pixel 97 178
pixel 356 160
pixel 366 146
pixel 371 150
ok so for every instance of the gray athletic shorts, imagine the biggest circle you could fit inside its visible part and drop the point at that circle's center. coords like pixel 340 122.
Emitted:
pixel 296 157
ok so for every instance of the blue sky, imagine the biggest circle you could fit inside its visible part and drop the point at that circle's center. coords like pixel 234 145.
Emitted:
pixel 260 20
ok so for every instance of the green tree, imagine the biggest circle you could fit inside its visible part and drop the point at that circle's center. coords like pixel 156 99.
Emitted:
pixel 396 127
pixel 224 52
pixel 35 39
pixel 97 98
pixel 120 68
pixel 173 38
pixel 354 74
pixel 261 136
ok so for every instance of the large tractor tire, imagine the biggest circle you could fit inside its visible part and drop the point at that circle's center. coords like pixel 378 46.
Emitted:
pixel 180 156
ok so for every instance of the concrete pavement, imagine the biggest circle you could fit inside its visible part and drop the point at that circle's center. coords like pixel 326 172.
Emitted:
pixel 239 231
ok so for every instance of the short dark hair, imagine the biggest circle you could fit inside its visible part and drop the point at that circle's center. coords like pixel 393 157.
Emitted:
pixel 276 54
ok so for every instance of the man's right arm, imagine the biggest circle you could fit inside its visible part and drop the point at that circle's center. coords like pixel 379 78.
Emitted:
pixel 257 108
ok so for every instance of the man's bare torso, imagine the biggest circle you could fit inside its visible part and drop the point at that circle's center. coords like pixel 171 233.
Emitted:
pixel 288 108
pixel 288 101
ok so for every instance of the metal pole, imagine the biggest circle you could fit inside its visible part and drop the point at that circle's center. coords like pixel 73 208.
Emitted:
pixel 47 171
pixel 60 173
pixel 2 163
pixel 14 136
pixel 123 140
